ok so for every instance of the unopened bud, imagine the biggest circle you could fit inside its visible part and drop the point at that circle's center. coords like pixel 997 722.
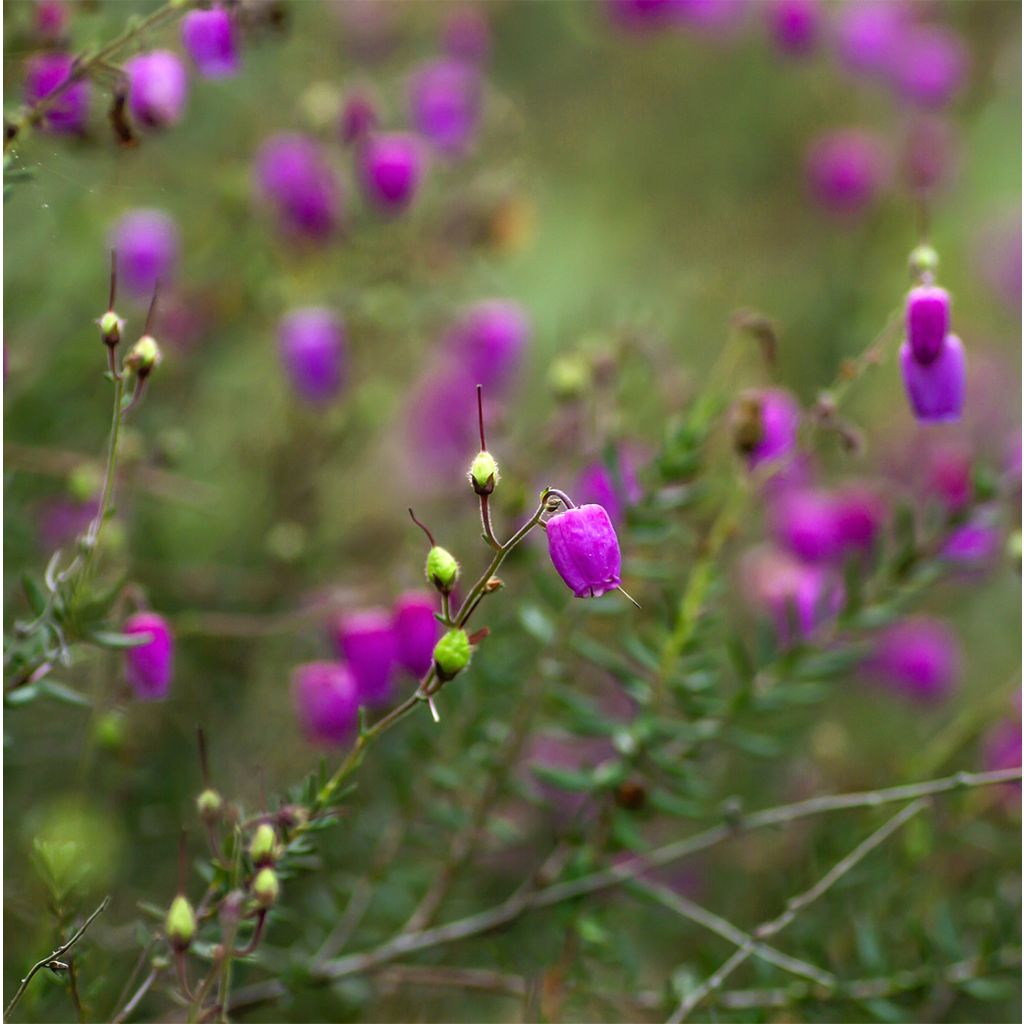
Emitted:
pixel 111 326
pixel 569 377
pixel 292 815
pixel 483 473
pixel 924 261
pixel 493 584
pixel 180 925
pixel 263 848
pixel 451 654
pixel 442 569
pixel 144 357
pixel 109 731
pixel 209 805
pixel 266 888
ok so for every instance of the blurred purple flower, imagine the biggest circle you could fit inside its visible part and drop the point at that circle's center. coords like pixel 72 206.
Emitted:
pixel 61 520
pixel 1002 747
pixel 795 25
pixel 804 521
pixel 48 71
pixel 869 34
pixel 440 419
pixel 929 154
pixel 147 244
pixel 777 416
pixel 598 485
pixel 326 701
pixel 467 35
pixel 585 550
pixel 918 658
pixel 948 468
pixel 972 545
pixel 416 631
pixel 643 15
pixel 209 39
pixel 390 169
pixel 358 116
pixel 157 88
pixel 313 351
pixel 489 340
pixel 366 641
pixel 719 17
pixel 148 666
pixel 51 19
pixel 936 390
pixel 930 65
pixel 294 175
pixel 859 514
pixel 845 171
pixel 444 101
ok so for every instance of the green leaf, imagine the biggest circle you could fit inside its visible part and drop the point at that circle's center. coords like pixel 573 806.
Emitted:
pixel 34 593
pixel 119 641
pixel 22 695
pixel 537 623
pixel 576 782
pixel 64 694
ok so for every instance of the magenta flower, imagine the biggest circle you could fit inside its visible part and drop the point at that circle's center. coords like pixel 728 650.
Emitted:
pixel 416 631
pixel 774 418
pixel 60 520
pixel 972 545
pixel 714 16
pixel 948 470
pixel 366 641
pixel 313 351
pixel 390 168
pixel 1002 747
pixel 927 321
pixel 489 340
pixel 358 117
pixel 929 154
pixel 147 244
pixel 643 15
pixel 919 658
pixel 859 516
pixel 869 34
pixel 295 177
pixel 936 389
pixel 444 101
pixel 806 523
pixel 209 39
pixel 48 71
pixel 157 88
pixel 467 36
pixel 845 170
pixel 585 550
pixel 598 485
pixel 794 24
pixel 326 701
pixel 51 19
pixel 148 666
pixel 930 66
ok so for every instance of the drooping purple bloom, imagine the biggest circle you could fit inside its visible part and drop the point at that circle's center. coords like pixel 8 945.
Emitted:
pixel 773 417
pixel 845 170
pixel 869 34
pixel 585 550
pixel 919 658
pixel 390 169
pixel 209 39
pixel 326 701
pixel 312 345
pixel 972 545
pixel 927 321
pixel 366 641
pixel 489 340
pixel 936 389
pixel 147 244
pixel 295 177
pixel 148 666
pixel 794 24
pixel 48 71
pixel 358 116
pixel 444 101
pixel 467 36
pixel 157 88
pixel 930 66
pixel 416 631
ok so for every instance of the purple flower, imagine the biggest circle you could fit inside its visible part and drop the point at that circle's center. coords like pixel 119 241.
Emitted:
pixel 148 666
pixel 716 16
pixel 209 39
pixel 643 15
pixel 927 321
pixel 358 117
pixel 147 245
pixel 61 520
pixel 48 71
pixel 312 344
pixel 766 422
pixel 326 701
pixel 929 153
pixel 467 36
pixel 972 545
pixel 585 550
pixel 489 340
pixel 845 170
pixel 859 514
pixel 919 658
pixel 598 485
pixel 51 19
pixel 416 631
pixel 869 34
pixel 157 88
pixel 948 471
pixel 936 389
pixel 1002 747
pixel 293 173
pixel 794 24
pixel 390 169
pixel 805 522
pixel 366 641
pixel 444 100
pixel 930 66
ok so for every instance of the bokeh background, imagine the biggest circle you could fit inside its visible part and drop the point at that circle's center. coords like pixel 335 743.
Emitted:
pixel 632 184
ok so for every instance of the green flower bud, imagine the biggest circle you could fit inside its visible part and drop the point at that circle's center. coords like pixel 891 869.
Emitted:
pixel 923 260
pixel 263 847
pixel 144 356
pixel 483 473
pixel 442 569
pixel 266 888
pixel 109 731
pixel 209 805
pixel 452 653
pixel 111 326
pixel 180 925
pixel 569 377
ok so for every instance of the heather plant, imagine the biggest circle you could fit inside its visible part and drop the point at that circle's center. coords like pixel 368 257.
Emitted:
pixel 540 564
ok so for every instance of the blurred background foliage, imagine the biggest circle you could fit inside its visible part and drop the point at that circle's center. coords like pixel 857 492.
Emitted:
pixel 631 191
